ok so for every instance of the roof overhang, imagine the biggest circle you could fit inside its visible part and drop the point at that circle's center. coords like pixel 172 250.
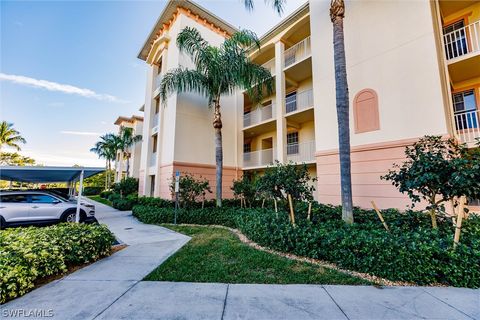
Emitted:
pixel 167 16
pixel 132 119
pixel 46 174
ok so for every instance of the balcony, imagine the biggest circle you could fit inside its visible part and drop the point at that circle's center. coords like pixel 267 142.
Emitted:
pixel 468 126
pixel 258 159
pixel 155 120
pixel 153 159
pixel 299 102
pixel 297 52
pixel 156 85
pixel 303 152
pixel 462 43
pixel 259 115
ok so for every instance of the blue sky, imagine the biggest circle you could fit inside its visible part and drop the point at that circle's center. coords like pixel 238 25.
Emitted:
pixel 86 54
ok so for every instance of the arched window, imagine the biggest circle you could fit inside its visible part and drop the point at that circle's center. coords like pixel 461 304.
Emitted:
pixel 365 111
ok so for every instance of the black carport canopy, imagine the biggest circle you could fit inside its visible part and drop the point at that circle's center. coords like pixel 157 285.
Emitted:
pixel 46 174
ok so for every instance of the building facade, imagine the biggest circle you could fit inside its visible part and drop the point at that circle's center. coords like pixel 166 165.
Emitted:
pixel 413 69
pixel 135 152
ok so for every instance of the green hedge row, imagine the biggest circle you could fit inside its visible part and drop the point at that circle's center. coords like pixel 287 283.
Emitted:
pixel 412 251
pixel 29 254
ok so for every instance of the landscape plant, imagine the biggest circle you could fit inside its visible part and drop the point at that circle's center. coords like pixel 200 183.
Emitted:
pixel 191 189
pixel 437 171
pixel 246 189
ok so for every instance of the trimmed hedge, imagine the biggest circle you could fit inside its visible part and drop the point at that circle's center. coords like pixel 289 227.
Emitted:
pixel 29 254
pixel 412 251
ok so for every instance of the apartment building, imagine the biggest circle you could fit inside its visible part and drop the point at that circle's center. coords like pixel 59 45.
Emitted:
pixel 136 123
pixel 413 69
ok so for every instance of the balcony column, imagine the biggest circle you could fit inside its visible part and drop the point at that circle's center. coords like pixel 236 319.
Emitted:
pixel 280 102
pixel 146 134
pixel 161 115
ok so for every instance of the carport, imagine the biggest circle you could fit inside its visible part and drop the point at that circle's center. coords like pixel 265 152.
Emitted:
pixel 70 175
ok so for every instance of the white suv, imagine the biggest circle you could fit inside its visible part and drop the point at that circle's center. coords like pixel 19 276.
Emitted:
pixel 40 207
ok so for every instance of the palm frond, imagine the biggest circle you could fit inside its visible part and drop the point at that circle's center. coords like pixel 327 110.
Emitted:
pixel 190 41
pixel 183 80
pixel 242 39
pixel 278 5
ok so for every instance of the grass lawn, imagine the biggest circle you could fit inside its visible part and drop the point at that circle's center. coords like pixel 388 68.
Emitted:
pixel 100 199
pixel 217 255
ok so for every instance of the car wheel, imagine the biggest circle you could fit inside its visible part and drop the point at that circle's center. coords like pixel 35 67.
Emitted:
pixel 69 216
pixel 2 223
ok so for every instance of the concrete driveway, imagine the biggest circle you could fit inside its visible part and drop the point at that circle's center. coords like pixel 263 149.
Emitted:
pixel 112 289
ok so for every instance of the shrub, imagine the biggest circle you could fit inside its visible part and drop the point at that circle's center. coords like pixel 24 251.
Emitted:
pixel 412 251
pixel 246 188
pixel 105 194
pixel 91 191
pixel 191 189
pixel 126 186
pixel 29 254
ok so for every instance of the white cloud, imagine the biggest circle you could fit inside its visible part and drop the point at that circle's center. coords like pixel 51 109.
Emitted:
pixel 80 133
pixel 54 86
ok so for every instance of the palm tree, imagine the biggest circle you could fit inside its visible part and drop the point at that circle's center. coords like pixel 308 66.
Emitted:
pixel 9 136
pixel 218 71
pixel 106 148
pixel 127 139
pixel 337 14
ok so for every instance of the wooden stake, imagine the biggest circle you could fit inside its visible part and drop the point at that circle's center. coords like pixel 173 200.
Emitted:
pixel 309 211
pixel 292 213
pixel 263 203
pixel 458 227
pixel 379 214
pixel 275 204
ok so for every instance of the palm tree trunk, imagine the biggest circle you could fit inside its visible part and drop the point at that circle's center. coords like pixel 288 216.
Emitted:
pixel 127 159
pixel 106 174
pixel 217 125
pixel 337 13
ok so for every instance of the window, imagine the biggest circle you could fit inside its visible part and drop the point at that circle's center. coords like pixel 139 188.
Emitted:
pixel 365 111
pixel 291 102
pixel 154 143
pixel 455 39
pixel 247 148
pixel 13 198
pixel 157 106
pixel 152 186
pixel 292 143
pixel 464 107
pixel 43 198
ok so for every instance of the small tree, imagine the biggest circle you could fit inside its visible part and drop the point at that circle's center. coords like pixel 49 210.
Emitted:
pixel 126 186
pixel 246 188
pixel 282 181
pixel 191 189
pixel 436 170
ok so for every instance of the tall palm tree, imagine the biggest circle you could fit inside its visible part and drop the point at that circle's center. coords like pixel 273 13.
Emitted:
pixel 9 136
pixel 106 148
pixel 127 139
pixel 218 71
pixel 337 14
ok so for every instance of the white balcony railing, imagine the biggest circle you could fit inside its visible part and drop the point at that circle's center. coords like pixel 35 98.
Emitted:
pixel 468 126
pixel 155 120
pixel 301 152
pixel 153 159
pixel 259 158
pixel 300 101
pixel 158 80
pixel 462 41
pixel 259 114
pixel 297 52
pixel 270 66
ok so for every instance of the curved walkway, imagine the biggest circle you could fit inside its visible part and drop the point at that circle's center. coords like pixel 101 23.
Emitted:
pixel 111 289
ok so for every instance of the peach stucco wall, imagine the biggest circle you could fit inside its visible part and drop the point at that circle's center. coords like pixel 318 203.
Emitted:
pixel 369 162
pixel 199 170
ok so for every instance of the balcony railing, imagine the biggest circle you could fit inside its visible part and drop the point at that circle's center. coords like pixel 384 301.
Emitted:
pixel 158 80
pixel 301 152
pixel 300 101
pixel 153 160
pixel 259 114
pixel 462 41
pixel 297 52
pixel 468 126
pixel 270 66
pixel 259 158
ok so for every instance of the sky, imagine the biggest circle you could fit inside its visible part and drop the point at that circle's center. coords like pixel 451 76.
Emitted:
pixel 68 69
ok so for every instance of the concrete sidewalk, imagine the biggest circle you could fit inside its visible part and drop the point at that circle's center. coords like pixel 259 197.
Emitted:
pixel 111 289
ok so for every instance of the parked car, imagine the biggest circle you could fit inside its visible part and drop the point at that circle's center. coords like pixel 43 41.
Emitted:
pixel 40 207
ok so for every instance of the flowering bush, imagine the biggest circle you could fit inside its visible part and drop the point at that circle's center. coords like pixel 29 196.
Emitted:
pixel 29 254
